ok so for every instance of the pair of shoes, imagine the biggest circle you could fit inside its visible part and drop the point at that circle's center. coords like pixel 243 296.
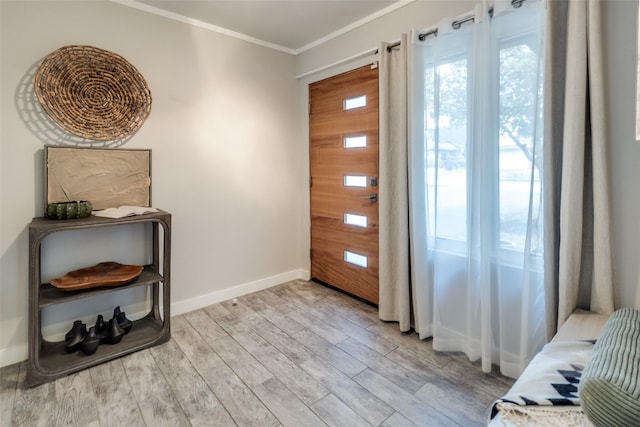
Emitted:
pixel 101 333
pixel 117 327
pixel 110 333
pixel 79 339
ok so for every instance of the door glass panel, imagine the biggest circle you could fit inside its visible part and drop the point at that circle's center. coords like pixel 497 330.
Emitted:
pixel 355 181
pixel 355 141
pixel 354 219
pixel 356 259
pixel 357 102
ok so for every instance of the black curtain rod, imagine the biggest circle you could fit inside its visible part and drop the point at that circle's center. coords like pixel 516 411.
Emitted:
pixel 455 25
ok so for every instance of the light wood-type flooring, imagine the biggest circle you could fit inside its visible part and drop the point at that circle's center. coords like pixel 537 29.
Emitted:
pixel 297 354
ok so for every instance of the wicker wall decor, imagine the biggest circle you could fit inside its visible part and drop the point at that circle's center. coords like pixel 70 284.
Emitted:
pixel 92 93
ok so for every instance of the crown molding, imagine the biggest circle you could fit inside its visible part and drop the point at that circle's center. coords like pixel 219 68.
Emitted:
pixel 221 30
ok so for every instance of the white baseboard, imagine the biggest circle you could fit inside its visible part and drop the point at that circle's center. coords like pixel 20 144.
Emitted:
pixel 19 352
pixel 185 306
pixel 13 354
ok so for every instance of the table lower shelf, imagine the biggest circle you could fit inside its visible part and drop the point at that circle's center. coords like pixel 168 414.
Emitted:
pixel 50 295
pixel 54 362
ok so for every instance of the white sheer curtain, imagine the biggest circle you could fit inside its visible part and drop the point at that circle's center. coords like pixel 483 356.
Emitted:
pixel 475 162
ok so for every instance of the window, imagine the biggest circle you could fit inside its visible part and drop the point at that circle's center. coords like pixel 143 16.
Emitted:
pixel 495 160
pixel 356 102
pixel 355 220
pixel 355 259
pixel 355 141
pixel 446 143
pixel 476 168
pixel 355 181
pixel 520 166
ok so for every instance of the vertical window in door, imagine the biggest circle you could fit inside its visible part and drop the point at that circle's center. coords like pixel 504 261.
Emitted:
pixel 355 141
pixel 355 259
pixel 355 181
pixel 356 220
pixel 356 102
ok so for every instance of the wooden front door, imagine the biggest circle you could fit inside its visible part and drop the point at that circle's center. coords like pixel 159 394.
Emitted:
pixel 343 127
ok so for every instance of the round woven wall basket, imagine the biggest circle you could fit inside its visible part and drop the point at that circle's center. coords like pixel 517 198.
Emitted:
pixel 92 93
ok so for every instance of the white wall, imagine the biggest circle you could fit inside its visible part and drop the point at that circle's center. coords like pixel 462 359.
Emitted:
pixel 620 23
pixel 419 14
pixel 223 134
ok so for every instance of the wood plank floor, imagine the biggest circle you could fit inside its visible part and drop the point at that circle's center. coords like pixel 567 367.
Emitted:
pixel 297 354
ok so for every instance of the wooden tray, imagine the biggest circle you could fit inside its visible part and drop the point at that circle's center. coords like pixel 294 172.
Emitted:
pixel 105 274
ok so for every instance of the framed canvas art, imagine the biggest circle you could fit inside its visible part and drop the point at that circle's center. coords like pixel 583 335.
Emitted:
pixel 108 178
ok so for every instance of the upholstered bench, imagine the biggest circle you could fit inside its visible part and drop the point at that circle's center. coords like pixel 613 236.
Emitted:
pixel 572 345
